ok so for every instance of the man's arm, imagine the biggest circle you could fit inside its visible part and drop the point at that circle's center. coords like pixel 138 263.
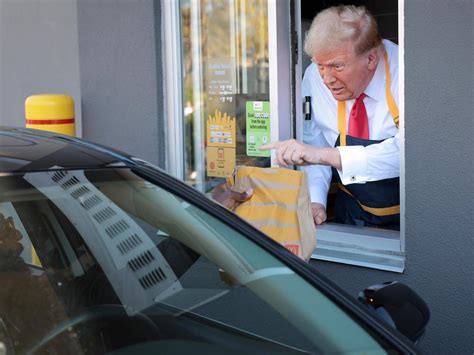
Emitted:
pixel 319 176
pixel 355 164
pixel 292 152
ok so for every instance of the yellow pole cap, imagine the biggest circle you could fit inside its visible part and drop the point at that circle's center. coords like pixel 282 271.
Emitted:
pixel 51 112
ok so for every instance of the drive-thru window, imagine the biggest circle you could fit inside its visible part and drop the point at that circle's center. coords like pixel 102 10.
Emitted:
pixel 240 65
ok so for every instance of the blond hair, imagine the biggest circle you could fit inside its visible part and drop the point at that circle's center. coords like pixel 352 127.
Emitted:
pixel 344 23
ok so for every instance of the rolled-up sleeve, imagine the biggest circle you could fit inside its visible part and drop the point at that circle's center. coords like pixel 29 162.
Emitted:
pixel 372 163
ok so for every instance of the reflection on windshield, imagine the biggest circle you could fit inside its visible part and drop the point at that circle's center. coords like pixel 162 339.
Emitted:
pixel 122 261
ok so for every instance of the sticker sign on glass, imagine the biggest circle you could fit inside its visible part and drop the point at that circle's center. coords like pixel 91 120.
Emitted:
pixel 258 127
pixel 221 144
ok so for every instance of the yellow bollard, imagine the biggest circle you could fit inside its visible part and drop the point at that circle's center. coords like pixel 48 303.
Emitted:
pixel 51 112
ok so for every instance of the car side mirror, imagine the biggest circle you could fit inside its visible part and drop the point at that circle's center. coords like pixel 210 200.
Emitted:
pixel 398 305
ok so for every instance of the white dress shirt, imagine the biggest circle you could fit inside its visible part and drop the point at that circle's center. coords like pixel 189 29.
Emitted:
pixel 359 164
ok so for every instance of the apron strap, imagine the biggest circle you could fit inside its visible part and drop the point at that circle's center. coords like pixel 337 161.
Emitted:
pixel 341 118
pixel 392 106
pixel 376 211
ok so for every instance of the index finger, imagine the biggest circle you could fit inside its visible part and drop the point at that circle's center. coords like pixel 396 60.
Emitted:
pixel 268 146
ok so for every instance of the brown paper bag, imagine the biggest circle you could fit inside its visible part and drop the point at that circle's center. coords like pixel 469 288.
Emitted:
pixel 280 206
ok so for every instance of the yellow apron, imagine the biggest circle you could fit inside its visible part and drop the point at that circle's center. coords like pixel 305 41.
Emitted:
pixel 371 198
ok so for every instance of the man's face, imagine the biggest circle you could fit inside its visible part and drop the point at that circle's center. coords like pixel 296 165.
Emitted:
pixel 345 73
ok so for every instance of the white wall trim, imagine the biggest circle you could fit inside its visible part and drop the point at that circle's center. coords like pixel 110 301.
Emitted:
pixel 279 52
pixel 173 88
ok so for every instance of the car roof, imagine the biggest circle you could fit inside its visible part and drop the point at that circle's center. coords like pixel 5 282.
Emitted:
pixel 26 150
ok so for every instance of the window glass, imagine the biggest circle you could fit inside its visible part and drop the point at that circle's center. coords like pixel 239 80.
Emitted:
pixel 225 78
pixel 126 264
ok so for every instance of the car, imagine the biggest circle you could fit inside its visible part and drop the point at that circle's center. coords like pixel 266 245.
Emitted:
pixel 101 252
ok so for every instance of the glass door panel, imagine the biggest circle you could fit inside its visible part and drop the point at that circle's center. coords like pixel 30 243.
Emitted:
pixel 225 88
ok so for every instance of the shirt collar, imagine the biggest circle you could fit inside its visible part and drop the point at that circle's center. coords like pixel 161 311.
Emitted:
pixel 376 87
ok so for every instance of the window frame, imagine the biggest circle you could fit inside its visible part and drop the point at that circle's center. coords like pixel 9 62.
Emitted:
pixel 379 249
pixel 170 20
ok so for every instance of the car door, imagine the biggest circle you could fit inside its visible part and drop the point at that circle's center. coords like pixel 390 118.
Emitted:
pixel 158 265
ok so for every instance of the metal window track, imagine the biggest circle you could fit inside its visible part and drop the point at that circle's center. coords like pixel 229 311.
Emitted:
pixel 359 246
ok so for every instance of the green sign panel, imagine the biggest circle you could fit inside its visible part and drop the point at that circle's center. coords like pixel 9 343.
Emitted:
pixel 258 127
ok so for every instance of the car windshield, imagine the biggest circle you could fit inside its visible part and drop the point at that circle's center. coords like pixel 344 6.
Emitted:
pixel 97 261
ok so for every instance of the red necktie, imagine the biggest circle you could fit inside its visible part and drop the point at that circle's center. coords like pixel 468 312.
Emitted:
pixel 358 121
